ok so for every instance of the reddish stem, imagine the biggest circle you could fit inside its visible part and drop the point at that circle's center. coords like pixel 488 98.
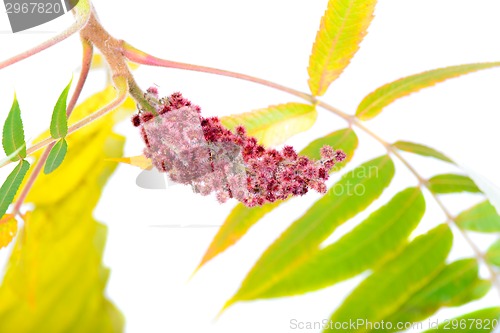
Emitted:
pixel 88 51
pixel 141 57
pixel 81 20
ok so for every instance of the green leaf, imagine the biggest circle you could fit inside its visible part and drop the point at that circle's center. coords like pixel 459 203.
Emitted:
pixel 476 291
pixel 56 156
pixel 11 185
pixel 489 189
pixel 376 101
pixel 441 291
pixel 376 239
pixel 422 150
pixel 275 124
pixel 483 320
pixel 343 27
pixel 493 254
pixel 13 133
pixel 393 284
pixel 352 194
pixel 59 123
pixel 452 183
pixel 483 217
pixel 242 218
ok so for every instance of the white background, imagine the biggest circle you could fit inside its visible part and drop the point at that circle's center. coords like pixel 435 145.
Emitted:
pixel 152 250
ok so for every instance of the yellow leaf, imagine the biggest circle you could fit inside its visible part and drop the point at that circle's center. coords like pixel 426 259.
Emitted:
pixel 97 61
pixel 8 229
pixel 375 102
pixel 275 124
pixel 55 279
pixel 140 161
pixel 343 27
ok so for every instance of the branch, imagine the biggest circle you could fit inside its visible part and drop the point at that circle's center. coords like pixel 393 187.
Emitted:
pixel 82 16
pixel 141 57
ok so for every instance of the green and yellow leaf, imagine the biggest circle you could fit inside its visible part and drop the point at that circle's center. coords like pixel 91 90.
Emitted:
pixel 302 239
pixel 382 235
pixel 493 254
pixel 375 102
pixel 275 124
pixel 422 150
pixel 483 217
pixel 392 285
pixel 452 183
pixel 343 27
pixel 444 290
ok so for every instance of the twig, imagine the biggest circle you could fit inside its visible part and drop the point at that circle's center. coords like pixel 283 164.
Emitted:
pixel 82 16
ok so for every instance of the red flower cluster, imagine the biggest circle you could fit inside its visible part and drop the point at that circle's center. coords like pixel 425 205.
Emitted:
pixel 203 153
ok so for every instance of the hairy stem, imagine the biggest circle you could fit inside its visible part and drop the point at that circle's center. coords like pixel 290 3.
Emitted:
pixel 82 15
pixel 31 180
pixel 88 51
pixel 141 57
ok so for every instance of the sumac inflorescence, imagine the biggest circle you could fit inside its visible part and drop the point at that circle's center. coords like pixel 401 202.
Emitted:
pixel 203 153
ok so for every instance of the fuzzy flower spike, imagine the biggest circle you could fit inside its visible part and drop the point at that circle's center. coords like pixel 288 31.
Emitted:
pixel 201 152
